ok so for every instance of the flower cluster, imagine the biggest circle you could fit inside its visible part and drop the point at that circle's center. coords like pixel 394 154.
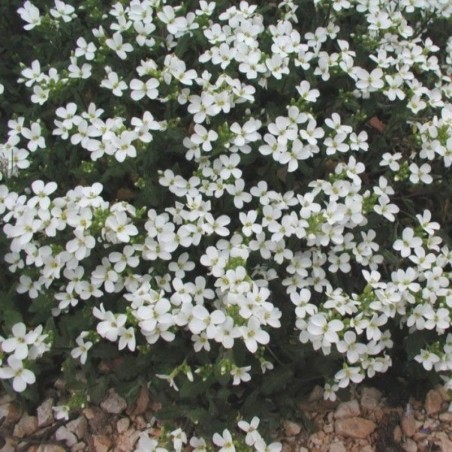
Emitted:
pixel 231 173
pixel 22 347
pixel 224 442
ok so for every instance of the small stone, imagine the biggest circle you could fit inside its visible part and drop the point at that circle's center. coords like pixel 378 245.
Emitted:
pixel 433 402
pixel 101 443
pixel 88 413
pixel 78 427
pixel 126 441
pixel 63 434
pixel 354 427
pixel 409 446
pixel 60 384
pixel 141 404
pixel 140 423
pixel 316 394
pixel 317 439
pixel 446 416
pixel 10 413
pixel 443 441
pixel 397 434
pixel 45 413
pixel 337 447
pixel 50 448
pixel 9 445
pixel 347 409
pixel 79 447
pixel 26 426
pixel 370 398
pixel 445 394
pixel 408 424
pixel 123 424
pixel 291 428
pixel 114 403
pixel 367 448
pixel 98 420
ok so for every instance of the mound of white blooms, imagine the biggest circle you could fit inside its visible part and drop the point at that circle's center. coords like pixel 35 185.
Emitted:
pixel 78 248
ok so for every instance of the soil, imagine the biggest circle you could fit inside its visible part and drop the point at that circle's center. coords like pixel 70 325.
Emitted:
pixel 364 421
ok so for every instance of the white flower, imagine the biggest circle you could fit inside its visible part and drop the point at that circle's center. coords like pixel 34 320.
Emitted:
pixel 407 242
pixel 61 412
pixel 82 350
pixel 347 375
pixel 326 330
pixel 240 374
pixel 141 89
pixel 116 43
pixel 253 334
pixel 62 11
pixel 119 224
pixel 20 375
pixel 29 13
pixel 252 435
pixel 204 138
pixel 224 441
pixel 420 173
pixel 21 340
pixel 427 359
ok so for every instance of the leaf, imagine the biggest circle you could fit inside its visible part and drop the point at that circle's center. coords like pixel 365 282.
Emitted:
pixel 277 380
pixel 98 389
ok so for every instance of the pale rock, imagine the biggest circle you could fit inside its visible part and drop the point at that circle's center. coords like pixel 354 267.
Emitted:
pixel 101 443
pixel 89 413
pixel 443 441
pixel 50 448
pixel 141 404
pixel 397 434
pixel 113 403
pixel 445 394
pixel 10 445
pixel 63 434
pixel 122 425
pixel 433 402
pixel 99 421
pixel 337 447
pixel 140 423
pixel 291 428
pixel 10 413
pixel 78 426
pixel 318 439
pixel 370 398
pixel 367 448
pixel 408 425
pixel 347 409
pixel 446 416
pixel 45 413
pixel 328 428
pixel 126 441
pixel 60 384
pixel 316 394
pixel 409 446
pixel 79 447
pixel 26 426
pixel 354 427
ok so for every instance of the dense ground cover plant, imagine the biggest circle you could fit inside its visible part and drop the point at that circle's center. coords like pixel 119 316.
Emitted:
pixel 224 202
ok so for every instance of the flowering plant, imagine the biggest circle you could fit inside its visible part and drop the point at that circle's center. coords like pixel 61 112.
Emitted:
pixel 225 199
